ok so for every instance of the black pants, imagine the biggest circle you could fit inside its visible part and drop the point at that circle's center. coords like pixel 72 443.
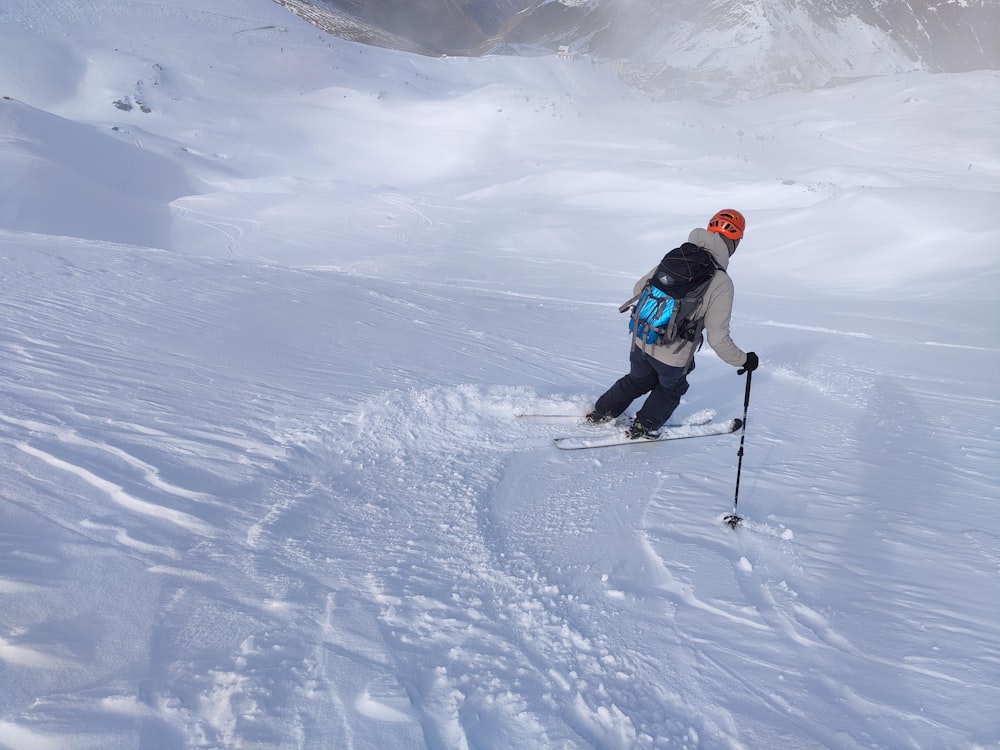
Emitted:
pixel 664 384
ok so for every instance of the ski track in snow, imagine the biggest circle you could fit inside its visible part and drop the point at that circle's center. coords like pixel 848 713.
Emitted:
pixel 266 487
pixel 396 563
pixel 470 606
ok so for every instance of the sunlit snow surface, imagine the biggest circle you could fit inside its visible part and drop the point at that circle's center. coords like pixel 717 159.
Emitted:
pixel 264 345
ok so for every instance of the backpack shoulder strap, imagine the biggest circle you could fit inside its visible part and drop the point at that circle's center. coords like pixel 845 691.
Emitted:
pixel 628 303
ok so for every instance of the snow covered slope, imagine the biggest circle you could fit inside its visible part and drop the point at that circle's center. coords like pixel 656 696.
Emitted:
pixel 273 302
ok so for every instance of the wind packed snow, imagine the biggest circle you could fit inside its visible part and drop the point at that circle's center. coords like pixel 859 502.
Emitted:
pixel 273 301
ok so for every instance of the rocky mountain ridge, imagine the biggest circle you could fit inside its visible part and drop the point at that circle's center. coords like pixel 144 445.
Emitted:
pixel 706 48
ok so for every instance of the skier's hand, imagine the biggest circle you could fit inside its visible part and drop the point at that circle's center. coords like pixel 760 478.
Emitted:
pixel 752 363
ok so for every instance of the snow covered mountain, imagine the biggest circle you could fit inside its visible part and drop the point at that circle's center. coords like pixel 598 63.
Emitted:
pixel 274 304
pixel 714 47
pixel 430 27
pixel 755 46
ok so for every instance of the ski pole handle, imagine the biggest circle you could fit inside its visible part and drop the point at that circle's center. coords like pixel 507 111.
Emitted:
pixel 752 363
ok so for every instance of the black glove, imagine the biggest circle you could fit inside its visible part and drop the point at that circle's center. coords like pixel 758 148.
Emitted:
pixel 752 363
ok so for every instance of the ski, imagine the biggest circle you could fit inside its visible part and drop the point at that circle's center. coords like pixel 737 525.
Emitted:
pixel 699 418
pixel 579 419
pixel 548 417
pixel 579 442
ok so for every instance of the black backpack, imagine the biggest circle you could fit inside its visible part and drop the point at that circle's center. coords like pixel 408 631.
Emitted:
pixel 663 312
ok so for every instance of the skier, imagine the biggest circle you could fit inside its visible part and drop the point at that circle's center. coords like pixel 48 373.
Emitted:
pixel 661 369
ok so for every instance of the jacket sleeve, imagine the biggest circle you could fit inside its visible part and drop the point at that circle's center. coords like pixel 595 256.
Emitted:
pixel 718 316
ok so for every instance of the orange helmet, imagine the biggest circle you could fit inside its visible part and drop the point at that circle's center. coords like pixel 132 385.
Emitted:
pixel 729 223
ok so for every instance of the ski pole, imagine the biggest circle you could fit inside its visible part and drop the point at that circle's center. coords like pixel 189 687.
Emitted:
pixel 732 519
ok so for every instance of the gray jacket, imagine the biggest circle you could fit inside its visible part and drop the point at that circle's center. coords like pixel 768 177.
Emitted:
pixel 715 311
